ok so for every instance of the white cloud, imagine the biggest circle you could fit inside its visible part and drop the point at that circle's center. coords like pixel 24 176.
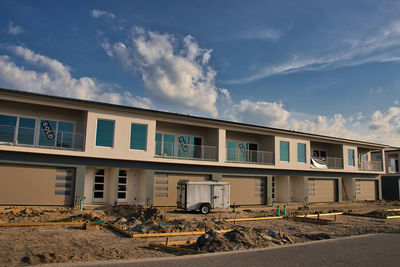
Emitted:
pixel 175 71
pixel 56 79
pixel 95 13
pixel 380 46
pixel 261 34
pixel 13 29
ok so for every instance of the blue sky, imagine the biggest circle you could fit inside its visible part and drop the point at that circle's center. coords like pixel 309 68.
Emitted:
pixel 326 67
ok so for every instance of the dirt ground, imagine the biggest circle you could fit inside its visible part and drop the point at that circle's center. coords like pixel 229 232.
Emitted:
pixel 51 244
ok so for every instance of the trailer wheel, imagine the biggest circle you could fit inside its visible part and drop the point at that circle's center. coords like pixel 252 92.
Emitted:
pixel 205 208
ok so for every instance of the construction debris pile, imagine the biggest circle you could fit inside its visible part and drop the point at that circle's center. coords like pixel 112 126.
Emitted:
pixel 239 238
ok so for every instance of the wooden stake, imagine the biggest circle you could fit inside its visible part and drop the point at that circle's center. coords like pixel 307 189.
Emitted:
pixel 254 219
pixel 42 224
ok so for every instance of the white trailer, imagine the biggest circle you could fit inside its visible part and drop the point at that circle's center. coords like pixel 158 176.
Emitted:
pixel 203 196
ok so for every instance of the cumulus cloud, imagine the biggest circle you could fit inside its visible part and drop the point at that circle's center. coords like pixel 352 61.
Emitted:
pixel 14 29
pixel 56 79
pixel 95 13
pixel 175 71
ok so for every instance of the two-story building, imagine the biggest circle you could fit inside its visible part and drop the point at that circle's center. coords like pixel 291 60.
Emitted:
pixel 59 151
pixel 391 179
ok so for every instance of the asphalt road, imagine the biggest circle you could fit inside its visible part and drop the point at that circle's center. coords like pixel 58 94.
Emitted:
pixel 367 250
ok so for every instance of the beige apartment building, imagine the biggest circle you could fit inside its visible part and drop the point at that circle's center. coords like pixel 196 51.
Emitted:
pixel 61 151
pixel 391 179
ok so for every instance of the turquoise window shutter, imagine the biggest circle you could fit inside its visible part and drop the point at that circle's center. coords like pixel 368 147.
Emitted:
pixel 105 133
pixel 284 151
pixel 301 153
pixel 138 136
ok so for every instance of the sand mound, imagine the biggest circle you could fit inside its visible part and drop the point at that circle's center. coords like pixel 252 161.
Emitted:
pixel 240 238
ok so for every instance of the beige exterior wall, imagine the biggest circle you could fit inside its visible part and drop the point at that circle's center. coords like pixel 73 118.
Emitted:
pixel 293 162
pixel 297 189
pixel 346 158
pixel 215 134
pixel 348 189
pixel 282 189
pixel 78 117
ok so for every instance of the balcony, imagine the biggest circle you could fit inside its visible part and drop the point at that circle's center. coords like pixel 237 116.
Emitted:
pixel 250 156
pixel 370 166
pixel 38 137
pixel 185 151
pixel 326 163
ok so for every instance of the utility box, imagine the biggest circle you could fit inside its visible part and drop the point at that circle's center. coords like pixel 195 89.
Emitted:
pixel 203 196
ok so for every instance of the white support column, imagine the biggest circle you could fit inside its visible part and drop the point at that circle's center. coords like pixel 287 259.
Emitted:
pixel 221 145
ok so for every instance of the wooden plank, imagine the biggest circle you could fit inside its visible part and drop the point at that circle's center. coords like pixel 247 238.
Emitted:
pixel 175 249
pixel 393 210
pixel 312 220
pixel 254 219
pixel 321 214
pixel 116 228
pixel 42 224
pixel 393 217
pixel 175 234
pixel 178 243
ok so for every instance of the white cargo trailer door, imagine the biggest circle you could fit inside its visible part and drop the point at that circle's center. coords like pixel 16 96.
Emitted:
pixel 218 197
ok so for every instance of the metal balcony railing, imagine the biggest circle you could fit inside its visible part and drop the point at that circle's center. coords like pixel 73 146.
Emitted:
pixel 334 163
pixel 370 165
pixel 185 151
pixel 327 162
pixel 250 156
pixel 37 137
pixel 392 169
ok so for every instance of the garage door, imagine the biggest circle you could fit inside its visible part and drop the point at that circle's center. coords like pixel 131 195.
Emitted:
pixel 322 190
pixel 36 185
pixel 366 189
pixel 165 187
pixel 247 190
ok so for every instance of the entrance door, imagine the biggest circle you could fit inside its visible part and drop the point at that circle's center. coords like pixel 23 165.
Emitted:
pixel 98 188
pixel 122 181
pixel 218 196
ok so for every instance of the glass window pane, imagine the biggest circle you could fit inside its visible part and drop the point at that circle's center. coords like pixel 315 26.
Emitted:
pixel 121 187
pixel 169 145
pixel 158 143
pixel 284 151
pixel 100 172
pixel 99 187
pixel 301 152
pixel 65 134
pixel 47 133
pixel 7 128
pixel 138 136
pixel 105 133
pixel 122 173
pixel 242 151
pixel 231 150
pixel 98 194
pixel 26 131
pixel 99 179
pixel 122 180
pixel 121 195
pixel 183 146
pixel 351 157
